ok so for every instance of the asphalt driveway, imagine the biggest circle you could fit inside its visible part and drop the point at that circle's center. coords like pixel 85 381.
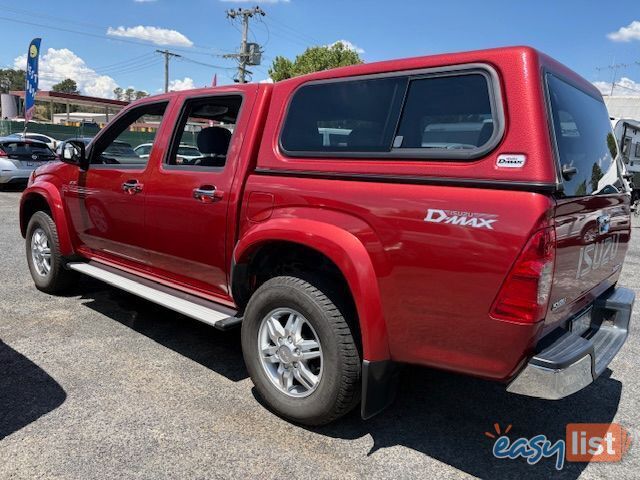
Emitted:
pixel 101 384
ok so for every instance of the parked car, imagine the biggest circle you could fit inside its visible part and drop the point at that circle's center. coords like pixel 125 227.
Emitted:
pixel 462 224
pixel 185 152
pixel 118 152
pixel 51 142
pixel 18 159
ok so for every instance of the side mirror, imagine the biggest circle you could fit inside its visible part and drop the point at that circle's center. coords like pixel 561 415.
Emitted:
pixel 73 152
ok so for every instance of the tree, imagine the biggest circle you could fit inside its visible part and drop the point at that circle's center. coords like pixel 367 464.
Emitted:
pixel 66 86
pixel 118 92
pixel 11 79
pixel 281 69
pixel 129 94
pixel 141 94
pixel 314 59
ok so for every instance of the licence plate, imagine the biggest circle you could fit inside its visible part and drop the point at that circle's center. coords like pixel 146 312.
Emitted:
pixel 582 323
pixel 30 164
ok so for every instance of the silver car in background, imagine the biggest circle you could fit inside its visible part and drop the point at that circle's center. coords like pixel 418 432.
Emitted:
pixel 18 158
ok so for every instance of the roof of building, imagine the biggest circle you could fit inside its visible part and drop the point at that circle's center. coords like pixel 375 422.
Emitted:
pixel 71 98
pixel 627 107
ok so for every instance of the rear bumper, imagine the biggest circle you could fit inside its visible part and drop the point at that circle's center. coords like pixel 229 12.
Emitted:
pixel 566 362
pixel 15 176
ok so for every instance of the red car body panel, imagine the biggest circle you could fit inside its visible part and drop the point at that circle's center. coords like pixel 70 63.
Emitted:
pixel 423 291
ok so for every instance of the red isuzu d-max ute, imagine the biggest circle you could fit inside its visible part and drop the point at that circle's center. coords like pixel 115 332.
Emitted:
pixel 464 211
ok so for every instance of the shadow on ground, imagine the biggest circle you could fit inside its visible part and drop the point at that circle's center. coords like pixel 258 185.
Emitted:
pixel 445 416
pixel 26 391
pixel 440 414
pixel 211 348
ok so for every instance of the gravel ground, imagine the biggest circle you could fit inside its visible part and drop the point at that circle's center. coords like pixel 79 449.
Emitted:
pixel 101 384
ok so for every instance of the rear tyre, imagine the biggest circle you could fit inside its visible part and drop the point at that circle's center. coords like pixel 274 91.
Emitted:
pixel 300 351
pixel 43 255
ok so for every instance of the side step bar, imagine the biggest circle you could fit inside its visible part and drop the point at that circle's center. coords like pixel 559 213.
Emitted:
pixel 211 313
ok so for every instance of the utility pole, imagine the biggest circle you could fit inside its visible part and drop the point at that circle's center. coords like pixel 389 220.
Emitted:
pixel 614 67
pixel 167 55
pixel 244 57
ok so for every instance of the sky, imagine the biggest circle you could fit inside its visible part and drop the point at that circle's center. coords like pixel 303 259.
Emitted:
pixel 106 44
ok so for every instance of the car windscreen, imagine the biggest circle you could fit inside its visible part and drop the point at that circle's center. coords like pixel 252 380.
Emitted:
pixel 584 140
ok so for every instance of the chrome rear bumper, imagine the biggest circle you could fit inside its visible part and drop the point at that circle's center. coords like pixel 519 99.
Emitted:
pixel 566 362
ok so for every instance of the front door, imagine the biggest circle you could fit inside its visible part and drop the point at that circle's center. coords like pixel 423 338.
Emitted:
pixel 188 195
pixel 106 203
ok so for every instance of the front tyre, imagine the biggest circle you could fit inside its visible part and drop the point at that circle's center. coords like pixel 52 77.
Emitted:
pixel 43 255
pixel 300 351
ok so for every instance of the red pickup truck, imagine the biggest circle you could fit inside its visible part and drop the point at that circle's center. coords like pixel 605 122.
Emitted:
pixel 463 212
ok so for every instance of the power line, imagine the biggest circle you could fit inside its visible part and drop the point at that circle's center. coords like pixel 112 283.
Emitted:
pixel 196 62
pixel 107 37
pixel 283 26
pixel 614 67
pixel 75 22
pixel 125 62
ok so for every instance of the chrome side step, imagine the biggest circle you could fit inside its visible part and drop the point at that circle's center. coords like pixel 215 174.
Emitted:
pixel 211 313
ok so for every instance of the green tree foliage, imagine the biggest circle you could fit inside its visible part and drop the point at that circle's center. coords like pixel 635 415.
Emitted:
pixel 314 59
pixel 596 175
pixel 11 79
pixel 118 93
pixel 612 144
pixel 66 86
pixel 129 94
pixel 141 94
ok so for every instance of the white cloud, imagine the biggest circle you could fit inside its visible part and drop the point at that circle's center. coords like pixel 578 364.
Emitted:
pixel 59 64
pixel 157 35
pixel 626 34
pixel 349 46
pixel 255 1
pixel 624 86
pixel 144 1
pixel 185 84
pixel 266 80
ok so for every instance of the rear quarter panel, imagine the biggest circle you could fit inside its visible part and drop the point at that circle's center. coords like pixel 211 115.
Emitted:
pixel 437 281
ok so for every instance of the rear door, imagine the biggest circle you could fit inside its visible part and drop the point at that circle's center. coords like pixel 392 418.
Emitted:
pixel 188 198
pixel 592 217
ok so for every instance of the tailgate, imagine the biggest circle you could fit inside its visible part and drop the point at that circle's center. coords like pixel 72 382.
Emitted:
pixel 592 217
pixel 592 237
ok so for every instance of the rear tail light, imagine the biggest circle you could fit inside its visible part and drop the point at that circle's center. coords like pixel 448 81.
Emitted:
pixel 524 295
pixel 3 153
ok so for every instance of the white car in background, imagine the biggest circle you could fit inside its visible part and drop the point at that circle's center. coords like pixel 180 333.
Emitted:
pixel 187 152
pixel 51 142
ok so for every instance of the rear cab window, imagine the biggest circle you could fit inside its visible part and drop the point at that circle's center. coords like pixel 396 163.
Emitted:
pixel 584 140
pixel 26 148
pixel 444 114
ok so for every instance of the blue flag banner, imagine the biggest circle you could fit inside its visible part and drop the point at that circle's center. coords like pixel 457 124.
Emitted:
pixel 31 86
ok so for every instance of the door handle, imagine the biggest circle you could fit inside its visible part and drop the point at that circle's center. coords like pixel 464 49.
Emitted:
pixel 131 187
pixel 207 194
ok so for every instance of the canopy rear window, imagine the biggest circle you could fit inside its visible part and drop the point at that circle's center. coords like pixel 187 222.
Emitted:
pixel 584 140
